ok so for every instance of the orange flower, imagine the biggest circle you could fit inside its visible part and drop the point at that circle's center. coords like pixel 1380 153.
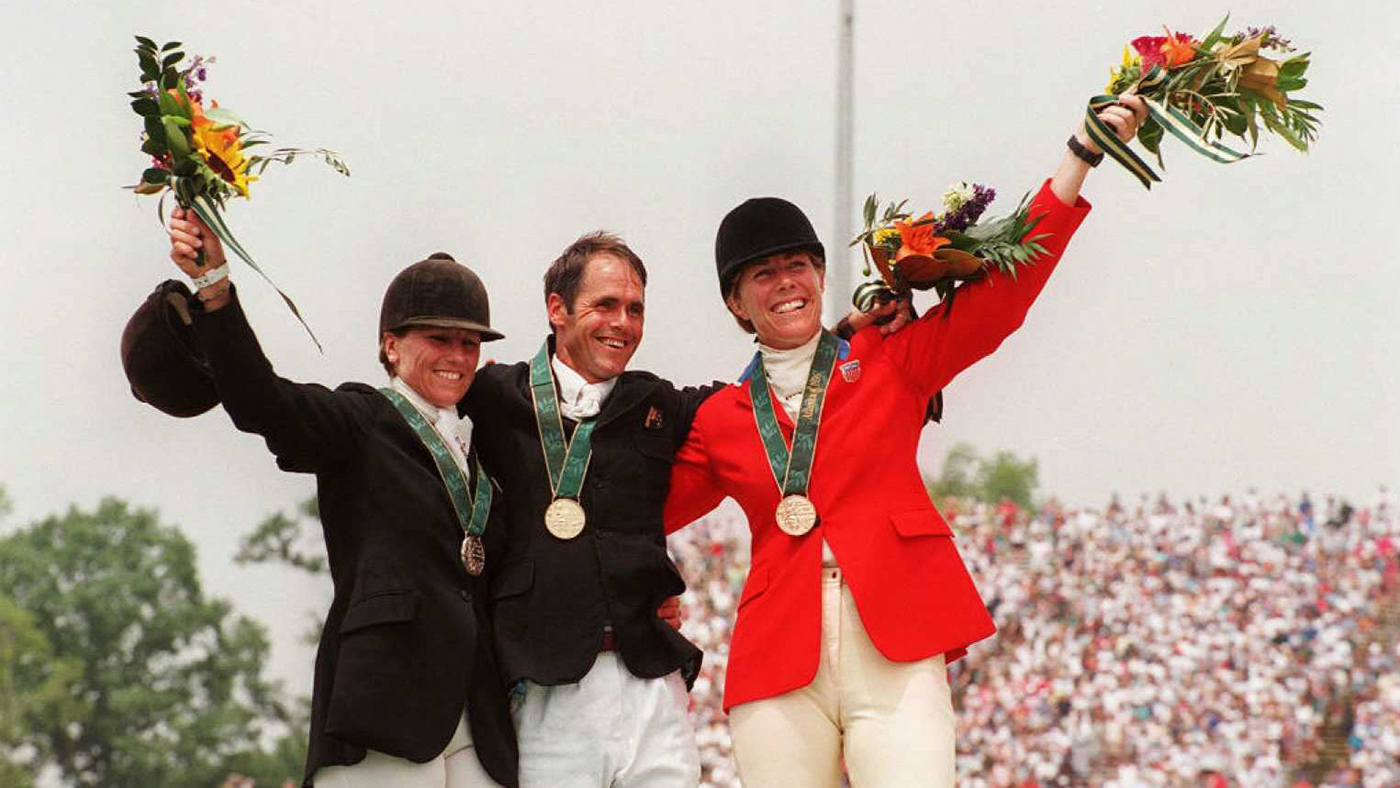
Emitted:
pixel 221 149
pixel 918 239
pixel 1178 49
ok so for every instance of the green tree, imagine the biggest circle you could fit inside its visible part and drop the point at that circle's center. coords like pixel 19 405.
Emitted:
pixel 966 474
pixel 958 477
pixel 166 685
pixel 1008 476
pixel 34 688
pixel 292 541
pixel 275 541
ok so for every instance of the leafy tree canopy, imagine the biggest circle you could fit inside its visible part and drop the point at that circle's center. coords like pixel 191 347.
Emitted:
pixel 117 667
pixel 966 474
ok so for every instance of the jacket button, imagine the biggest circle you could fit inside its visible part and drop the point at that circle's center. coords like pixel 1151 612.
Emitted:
pixel 464 594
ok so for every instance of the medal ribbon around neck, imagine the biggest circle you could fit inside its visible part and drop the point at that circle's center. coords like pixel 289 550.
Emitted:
pixel 567 461
pixel 472 511
pixel 792 470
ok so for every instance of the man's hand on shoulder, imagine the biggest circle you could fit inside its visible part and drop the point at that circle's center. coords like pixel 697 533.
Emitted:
pixel 670 612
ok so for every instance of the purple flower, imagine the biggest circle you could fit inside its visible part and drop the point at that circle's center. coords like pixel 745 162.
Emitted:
pixel 1271 39
pixel 968 214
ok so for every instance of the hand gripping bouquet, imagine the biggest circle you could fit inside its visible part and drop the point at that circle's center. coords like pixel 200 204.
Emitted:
pixel 198 154
pixel 1201 90
pixel 936 251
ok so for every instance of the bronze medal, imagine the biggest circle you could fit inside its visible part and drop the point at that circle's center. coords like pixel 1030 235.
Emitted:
pixel 473 555
pixel 796 515
pixel 564 518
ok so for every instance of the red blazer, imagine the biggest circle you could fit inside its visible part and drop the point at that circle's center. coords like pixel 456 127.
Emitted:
pixel 914 595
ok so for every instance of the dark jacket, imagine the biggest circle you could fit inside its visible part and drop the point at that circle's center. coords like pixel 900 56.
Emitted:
pixel 407 643
pixel 552 597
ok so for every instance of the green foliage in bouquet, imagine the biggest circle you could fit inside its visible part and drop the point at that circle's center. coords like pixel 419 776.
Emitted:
pixel 1201 90
pixel 937 250
pixel 202 156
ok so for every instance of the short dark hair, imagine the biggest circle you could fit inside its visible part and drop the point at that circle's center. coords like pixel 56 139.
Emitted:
pixel 565 274
pixel 730 286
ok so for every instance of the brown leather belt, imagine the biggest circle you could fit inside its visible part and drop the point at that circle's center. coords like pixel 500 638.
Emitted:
pixel 609 642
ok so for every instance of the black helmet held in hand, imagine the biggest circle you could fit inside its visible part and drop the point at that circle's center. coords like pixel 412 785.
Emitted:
pixel 440 292
pixel 759 227
pixel 162 355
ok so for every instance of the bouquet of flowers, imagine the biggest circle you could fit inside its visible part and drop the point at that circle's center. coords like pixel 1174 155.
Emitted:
pixel 937 250
pixel 1200 90
pixel 201 155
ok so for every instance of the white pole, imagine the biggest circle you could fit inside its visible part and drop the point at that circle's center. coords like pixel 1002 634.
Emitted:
pixel 840 263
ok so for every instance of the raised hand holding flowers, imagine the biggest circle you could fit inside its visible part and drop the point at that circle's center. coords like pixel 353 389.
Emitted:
pixel 201 155
pixel 1200 90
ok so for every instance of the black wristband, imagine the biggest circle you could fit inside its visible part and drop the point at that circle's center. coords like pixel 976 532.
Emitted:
pixel 1082 153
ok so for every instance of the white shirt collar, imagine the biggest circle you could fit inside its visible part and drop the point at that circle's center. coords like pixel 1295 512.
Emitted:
pixel 456 430
pixel 787 369
pixel 579 399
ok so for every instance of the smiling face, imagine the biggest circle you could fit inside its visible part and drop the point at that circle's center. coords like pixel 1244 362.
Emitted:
pixel 598 336
pixel 781 296
pixel 438 363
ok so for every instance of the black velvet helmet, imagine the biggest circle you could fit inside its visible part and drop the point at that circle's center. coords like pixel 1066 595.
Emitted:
pixel 437 291
pixel 757 228
pixel 162 354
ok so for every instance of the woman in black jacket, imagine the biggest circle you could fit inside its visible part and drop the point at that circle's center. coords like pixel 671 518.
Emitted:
pixel 407 691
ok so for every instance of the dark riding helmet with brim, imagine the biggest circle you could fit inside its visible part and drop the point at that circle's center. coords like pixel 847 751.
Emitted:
pixel 162 354
pixel 438 292
pixel 760 227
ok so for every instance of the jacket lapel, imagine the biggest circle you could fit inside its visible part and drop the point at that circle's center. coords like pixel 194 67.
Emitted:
pixel 629 392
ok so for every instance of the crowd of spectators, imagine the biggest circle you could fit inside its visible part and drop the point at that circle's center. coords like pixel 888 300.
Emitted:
pixel 1240 642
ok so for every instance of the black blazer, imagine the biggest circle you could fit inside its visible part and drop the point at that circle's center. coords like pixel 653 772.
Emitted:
pixel 407 643
pixel 552 597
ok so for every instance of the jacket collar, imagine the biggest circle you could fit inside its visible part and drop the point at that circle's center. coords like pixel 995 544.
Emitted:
pixel 631 389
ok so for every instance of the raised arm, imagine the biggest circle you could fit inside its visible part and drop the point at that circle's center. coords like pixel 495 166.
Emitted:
pixel 978 317
pixel 1124 118
pixel 306 425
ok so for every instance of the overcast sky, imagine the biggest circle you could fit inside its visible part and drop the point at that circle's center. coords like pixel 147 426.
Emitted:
pixel 1235 327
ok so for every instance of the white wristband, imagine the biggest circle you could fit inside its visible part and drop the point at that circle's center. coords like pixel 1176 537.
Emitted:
pixel 210 277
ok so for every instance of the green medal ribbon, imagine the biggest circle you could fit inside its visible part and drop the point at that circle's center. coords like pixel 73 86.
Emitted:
pixel 1171 118
pixel 471 514
pixel 567 461
pixel 793 470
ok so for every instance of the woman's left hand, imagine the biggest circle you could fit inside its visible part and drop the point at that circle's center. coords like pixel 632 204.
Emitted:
pixel 900 308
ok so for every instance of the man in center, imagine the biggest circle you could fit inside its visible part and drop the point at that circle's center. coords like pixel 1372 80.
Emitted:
pixel 582 449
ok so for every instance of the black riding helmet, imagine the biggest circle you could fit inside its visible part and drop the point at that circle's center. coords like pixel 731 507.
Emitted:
pixel 439 292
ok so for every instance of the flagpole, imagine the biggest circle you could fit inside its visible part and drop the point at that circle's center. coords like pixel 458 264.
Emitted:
pixel 840 266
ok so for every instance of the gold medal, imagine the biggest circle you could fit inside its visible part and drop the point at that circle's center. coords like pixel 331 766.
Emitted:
pixel 473 555
pixel 564 518
pixel 796 515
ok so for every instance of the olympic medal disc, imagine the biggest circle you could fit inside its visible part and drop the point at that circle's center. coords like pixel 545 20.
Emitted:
pixel 796 515
pixel 473 555
pixel 564 518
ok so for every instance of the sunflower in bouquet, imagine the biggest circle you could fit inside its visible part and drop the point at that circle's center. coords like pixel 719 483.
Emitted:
pixel 939 249
pixel 202 155
pixel 1200 90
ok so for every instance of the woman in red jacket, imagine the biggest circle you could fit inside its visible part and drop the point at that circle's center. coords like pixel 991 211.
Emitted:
pixel 856 598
